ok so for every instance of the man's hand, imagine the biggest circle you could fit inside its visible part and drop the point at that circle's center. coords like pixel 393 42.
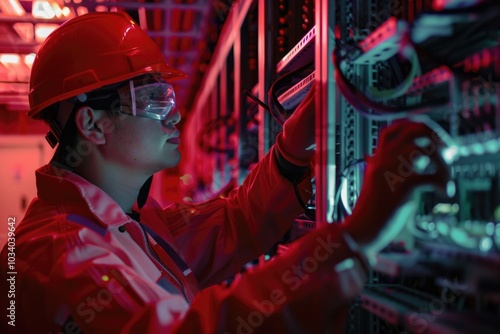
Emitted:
pixel 408 156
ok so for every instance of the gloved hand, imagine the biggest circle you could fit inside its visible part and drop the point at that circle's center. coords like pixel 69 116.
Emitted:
pixel 408 156
pixel 295 142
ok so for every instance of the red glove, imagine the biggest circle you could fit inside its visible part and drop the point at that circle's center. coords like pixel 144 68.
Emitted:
pixel 296 142
pixel 408 156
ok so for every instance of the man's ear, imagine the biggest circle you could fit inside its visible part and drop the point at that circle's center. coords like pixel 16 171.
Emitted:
pixel 92 124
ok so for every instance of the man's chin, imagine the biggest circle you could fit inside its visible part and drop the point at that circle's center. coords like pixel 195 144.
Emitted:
pixel 173 160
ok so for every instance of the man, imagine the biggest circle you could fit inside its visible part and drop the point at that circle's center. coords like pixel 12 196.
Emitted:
pixel 95 254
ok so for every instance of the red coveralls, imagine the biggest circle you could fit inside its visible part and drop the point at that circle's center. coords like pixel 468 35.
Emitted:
pixel 83 264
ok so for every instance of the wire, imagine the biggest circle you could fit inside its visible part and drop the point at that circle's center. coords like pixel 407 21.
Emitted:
pixel 280 83
pixel 481 18
pixel 343 175
pixel 299 198
pixel 450 153
pixel 256 99
pixel 363 104
pixel 276 115
pixel 460 34
pixel 403 87
pixel 278 112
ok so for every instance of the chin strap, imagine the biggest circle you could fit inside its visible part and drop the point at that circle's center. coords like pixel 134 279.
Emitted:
pixel 144 193
pixel 54 134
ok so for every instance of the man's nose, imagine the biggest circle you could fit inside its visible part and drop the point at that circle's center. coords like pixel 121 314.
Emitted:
pixel 172 118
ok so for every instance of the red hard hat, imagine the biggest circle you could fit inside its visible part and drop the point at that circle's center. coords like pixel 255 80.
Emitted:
pixel 91 51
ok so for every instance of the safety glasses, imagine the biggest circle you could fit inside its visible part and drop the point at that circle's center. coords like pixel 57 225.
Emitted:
pixel 154 98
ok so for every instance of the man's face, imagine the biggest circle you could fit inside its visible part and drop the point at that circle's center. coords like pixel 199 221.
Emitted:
pixel 144 144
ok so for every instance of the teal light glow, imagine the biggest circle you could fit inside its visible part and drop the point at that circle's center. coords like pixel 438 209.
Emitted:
pixel 450 153
pixel 345 265
pixel 492 145
pixel 421 163
pixel 451 189
pixel 431 226
pixel 422 141
pixel 460 237
pixel 477 148
pixel 485 244
pixel 490 228
pixel 443 228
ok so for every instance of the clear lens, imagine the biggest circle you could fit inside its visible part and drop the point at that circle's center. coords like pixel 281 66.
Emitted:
pixel 154 99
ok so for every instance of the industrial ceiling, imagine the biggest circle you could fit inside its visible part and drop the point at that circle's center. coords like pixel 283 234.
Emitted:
pixel 185 30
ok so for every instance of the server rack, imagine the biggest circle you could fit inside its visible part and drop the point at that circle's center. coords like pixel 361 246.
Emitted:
pixel 441 274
